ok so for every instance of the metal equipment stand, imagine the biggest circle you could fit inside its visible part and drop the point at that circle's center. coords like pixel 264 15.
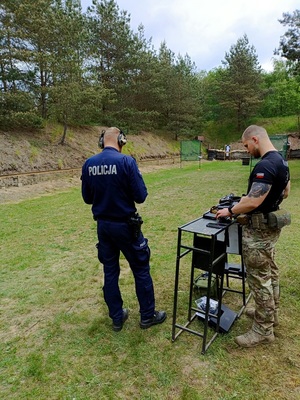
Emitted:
pixel 236 270
pixel 209 253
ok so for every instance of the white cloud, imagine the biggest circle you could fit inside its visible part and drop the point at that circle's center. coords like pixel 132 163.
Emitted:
pixel 206 30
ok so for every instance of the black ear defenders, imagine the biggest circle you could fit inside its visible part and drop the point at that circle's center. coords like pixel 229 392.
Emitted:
pixel 101 140
pixel 122 140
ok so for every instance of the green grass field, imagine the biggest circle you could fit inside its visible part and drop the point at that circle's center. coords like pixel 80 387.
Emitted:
pixel 56 338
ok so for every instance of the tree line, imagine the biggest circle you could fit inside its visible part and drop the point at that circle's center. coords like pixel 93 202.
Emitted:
pixel 78 68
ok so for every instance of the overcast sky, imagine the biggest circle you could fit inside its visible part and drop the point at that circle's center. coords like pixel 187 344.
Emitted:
pixel 206 29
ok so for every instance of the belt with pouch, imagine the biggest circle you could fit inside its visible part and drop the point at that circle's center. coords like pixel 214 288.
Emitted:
pixel 257 220
pixel 274 219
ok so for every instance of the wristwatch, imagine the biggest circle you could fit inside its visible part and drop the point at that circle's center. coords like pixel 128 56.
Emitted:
pixel 230 209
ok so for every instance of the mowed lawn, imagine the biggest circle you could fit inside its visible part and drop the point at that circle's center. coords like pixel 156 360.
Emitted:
pixel 55 334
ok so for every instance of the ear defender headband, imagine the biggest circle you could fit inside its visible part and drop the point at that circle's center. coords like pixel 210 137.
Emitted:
pixel 122 140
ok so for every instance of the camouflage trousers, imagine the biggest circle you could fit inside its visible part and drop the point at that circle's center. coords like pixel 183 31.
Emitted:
pixel 262 275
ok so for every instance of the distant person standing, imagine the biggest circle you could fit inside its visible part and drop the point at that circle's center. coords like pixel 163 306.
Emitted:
pixel 112 183
pixel 227 151
pixel 269 184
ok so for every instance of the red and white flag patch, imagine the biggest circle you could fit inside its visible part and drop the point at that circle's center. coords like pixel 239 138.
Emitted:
pixel 260 175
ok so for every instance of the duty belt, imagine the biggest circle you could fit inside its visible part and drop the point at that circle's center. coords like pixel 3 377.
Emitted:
pixel 257 220
pixel 111 219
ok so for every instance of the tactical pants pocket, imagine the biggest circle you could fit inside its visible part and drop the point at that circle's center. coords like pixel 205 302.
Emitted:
pixel 142 251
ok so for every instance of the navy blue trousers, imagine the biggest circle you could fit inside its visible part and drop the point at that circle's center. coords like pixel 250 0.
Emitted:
pixel 116 237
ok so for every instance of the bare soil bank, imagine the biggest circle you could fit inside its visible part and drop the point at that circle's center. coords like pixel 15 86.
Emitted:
pixel 27 152
pixel 35 151
pixel 40 151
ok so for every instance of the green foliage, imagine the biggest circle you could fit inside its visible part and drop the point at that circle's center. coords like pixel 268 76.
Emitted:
pixel 21 120
pixel 17 111
pixel 239 88
pixel 276 125
pixel 218 134
pixel 143 120
pixel 60 64
pixel 289 42
pixel 282 96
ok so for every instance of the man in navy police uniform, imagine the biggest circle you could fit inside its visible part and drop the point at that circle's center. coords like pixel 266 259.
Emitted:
pixel 112 183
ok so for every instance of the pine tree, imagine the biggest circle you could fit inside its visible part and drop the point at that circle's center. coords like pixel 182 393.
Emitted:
pixel 240 87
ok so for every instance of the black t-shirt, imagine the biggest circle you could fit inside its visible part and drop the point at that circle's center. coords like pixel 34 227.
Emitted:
pixel 273 170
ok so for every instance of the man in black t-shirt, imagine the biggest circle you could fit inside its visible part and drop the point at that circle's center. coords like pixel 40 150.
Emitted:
pixel 269 184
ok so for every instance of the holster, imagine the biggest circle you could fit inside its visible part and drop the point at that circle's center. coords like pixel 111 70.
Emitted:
pixel 243 219
pixel 135 222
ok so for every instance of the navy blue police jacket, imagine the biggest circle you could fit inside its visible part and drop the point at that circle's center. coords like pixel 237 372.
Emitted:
pixel 112 183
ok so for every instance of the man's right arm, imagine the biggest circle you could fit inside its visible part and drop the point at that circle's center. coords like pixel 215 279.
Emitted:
pixel 137 183
pixel 287 190
pixel 258 192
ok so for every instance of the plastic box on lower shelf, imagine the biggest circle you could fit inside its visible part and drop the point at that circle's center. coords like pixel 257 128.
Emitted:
pixel 226 321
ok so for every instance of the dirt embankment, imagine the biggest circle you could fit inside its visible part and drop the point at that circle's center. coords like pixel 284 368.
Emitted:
pixel 31 151
pixel 34 152
pixel 22 152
